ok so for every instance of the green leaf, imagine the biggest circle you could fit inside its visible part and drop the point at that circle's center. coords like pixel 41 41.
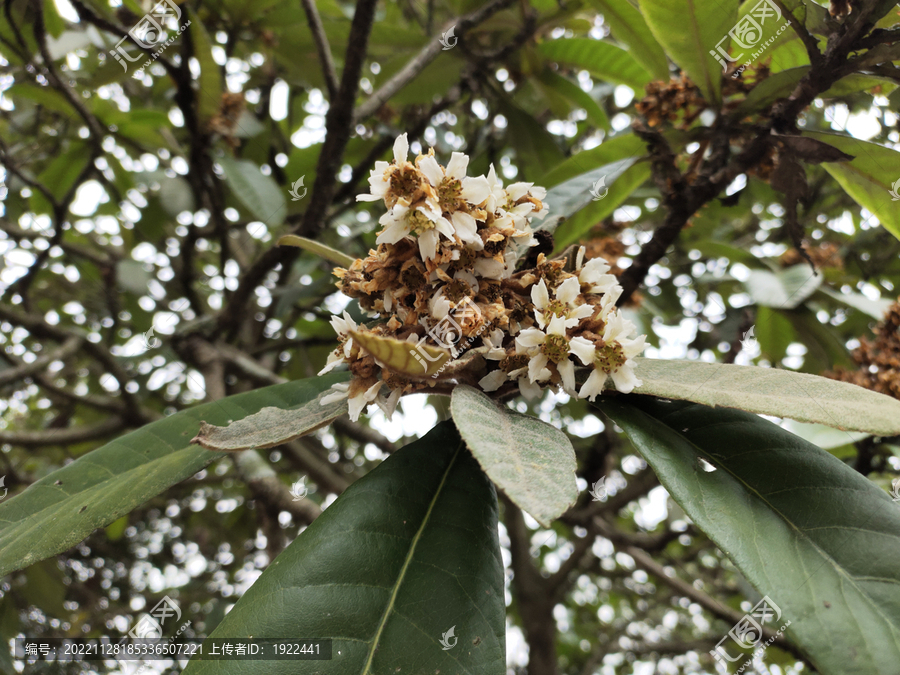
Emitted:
pixel 269 427
pixel 536 148
pixel 577 96
pixel 628 27
pixel 774 332
pixel 612 150
pixel 406 553
pixel 816 537
pixel 688 30
pixel 602 59
pixel 530 460
pixel 774 87
pixel 260 194
pixel 209 84
pixel 824 437
pixel 574 229
pixel 784 289
pixel 869 177
pixel 321 250
pixel 62 508
pixel 769 391
pixel 568 198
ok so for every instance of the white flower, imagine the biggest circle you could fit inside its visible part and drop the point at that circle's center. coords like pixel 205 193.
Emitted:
pixel 594 275
pixel 615 358
pixel 342 327
pixel 494 343
pixel 552 345
pixel 563 306
pixel 357 402
pixel 466 229
pixel 379 178
pixel 426 221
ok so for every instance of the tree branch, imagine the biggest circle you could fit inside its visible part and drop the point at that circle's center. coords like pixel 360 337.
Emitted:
pixel 324 51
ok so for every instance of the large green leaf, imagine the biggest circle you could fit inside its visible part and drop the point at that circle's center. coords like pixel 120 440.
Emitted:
pixel 406 553
pixel 260 194
pixel 628 26
pixel 689 30
pixel 612 150
pixel 809 532
pixel 771 391
pixel 577 226
pixel 869 177
pixel 62 508
pixel 531 461
pixel 587 190
pixel 603 59
pixel 573 93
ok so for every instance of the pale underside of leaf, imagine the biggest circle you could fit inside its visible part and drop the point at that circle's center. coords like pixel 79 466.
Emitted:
pixel 269 427
pixel 321 250
pixel 531 461
pixel 771 391
pixel 400 356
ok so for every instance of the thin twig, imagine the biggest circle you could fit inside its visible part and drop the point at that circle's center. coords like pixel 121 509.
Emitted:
pixel 324 51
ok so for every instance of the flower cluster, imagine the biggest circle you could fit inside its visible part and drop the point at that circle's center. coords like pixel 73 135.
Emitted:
pixel 451 271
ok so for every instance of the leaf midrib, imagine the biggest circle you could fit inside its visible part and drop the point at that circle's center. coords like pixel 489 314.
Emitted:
pixel 409 556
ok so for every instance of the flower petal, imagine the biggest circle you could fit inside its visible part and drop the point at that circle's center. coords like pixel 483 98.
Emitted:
pixel 567 372
pixel 530 338
pixel 568 290
pixel 593 385
pixel 536 366
pixel 401 149
pixel 429 166
pixel 475 190
pixel 492 381
pixel 583 349
pixel 456 167
pixel 540 296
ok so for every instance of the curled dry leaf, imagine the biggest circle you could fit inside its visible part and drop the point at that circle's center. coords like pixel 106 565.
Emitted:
pixel 407 358
pixel 269 427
